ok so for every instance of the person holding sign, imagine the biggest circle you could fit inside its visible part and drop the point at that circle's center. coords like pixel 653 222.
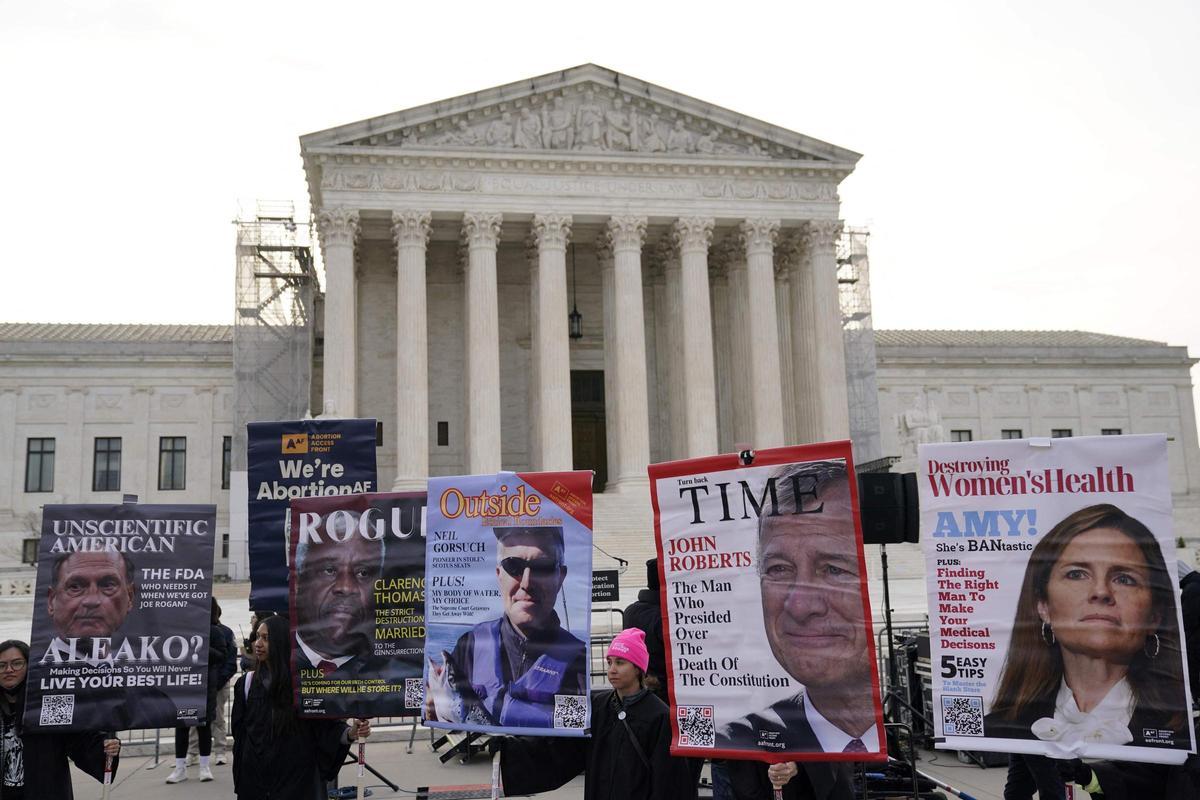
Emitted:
pixel 275 753
pixel 628 754
pixel 1095 655
pixel 815 620
pixel 33 765
pixel 507 671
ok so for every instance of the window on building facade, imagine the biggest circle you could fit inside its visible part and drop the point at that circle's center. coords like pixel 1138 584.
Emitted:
pixel 29 551
pixel 224 545
pixel 106 464
pixel 443 434
pixel 1010 433
pixel 39 465
pixel 226 460
pixel 1110 431
pixel 172 462
pixel 1060 433
pixel 960 436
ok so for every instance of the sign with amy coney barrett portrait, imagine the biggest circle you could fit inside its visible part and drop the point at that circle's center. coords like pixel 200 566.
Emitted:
pixel 1054 609
pixel 121 617
pixel 357 599
pixel 766 617
pixel 508 575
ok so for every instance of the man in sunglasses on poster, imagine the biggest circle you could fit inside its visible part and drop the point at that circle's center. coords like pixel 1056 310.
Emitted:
pixel 509 669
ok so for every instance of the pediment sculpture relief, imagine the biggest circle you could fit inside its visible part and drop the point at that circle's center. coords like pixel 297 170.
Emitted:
pixel 590 121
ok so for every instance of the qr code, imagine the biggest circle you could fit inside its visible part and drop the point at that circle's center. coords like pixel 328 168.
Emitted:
pixel 962 716
pixel 696 726
pixel 414 695
pixel 57 709
pixel 570 711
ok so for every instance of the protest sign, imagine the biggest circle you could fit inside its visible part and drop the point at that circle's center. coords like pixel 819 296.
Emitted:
pixel 357 580
pixel 121 617
pixel 508 571
pixel 289 460
pixel 765 607
pixel 1054 599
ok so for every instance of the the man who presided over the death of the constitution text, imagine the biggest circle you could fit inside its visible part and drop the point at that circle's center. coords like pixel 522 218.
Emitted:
pixel 814 614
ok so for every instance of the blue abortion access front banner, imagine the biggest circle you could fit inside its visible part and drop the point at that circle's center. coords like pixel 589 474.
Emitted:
pixel 289 460
pixel 508 597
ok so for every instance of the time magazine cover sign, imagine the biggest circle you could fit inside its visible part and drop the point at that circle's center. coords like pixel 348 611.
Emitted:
pixel 508 572
pixel 357 591
pixel 766 616
pixel 121 617
pixel 1054 599
pixel 286 461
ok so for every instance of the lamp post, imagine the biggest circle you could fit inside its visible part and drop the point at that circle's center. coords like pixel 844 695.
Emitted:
pixel 574 319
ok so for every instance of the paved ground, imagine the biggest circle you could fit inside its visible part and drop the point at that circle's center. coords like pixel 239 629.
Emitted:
pixel 139 779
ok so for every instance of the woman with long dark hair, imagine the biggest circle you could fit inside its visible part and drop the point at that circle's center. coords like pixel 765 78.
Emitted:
pixel 277 755
pixel 1095 655
pixel 33 765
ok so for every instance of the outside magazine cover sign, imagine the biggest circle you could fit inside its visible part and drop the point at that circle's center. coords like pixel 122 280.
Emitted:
pixel 766 616
pixel 357 567
pixel 508 569
pixel 121 617
pixel 1053 598
pixel 289 460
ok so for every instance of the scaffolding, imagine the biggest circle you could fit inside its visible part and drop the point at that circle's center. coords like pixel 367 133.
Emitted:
pixel 273 328
pixel 854 294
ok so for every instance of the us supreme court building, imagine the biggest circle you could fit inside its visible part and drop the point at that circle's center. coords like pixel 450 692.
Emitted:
pixel 696 246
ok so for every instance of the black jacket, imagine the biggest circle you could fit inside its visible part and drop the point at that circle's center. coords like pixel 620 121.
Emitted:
pixel 610 761
pixel 816 780
pixel 293 765
pixel 47 774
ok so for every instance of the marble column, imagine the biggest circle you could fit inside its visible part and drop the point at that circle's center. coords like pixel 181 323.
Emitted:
pixel 766 398
pixel 732 255
pixel 604 257
pixel 552 421
pixel 481 234
pixel 827 330
pixel 626 235
pixel 339 230
pixel 692 236
pixel 673 414
pixel 410 232
pixel 783 316
pixel 805 360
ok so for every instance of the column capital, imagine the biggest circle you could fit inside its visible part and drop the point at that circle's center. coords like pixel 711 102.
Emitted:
pixel 481 229
pixel 604 251
pixel 758 235
pixel 551 231
pixel 411 228
pixel 626 232
pixel 789 251
pixel 691 234
pixel 338 225
pixel 822 234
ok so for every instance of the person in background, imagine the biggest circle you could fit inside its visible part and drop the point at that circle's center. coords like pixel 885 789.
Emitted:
pixel 646 614
pixel 218 651
pixel 33 765
pixel 277 755
pixel 628 754
pixel 219 724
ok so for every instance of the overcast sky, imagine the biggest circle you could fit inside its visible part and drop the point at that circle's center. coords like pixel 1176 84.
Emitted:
pixel 1027 164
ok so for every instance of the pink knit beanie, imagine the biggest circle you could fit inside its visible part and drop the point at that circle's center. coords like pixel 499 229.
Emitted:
pixel 630 644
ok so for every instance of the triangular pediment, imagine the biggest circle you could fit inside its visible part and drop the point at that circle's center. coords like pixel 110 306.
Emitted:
pixel 586 110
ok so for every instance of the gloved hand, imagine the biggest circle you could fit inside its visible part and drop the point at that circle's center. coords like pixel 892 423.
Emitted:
pixel 1074 771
